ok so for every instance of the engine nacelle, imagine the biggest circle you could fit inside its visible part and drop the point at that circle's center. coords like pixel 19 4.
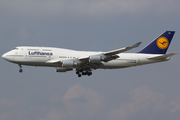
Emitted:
pixel 67 64
pixel 63 69
pixel 94 59
pixel 70 64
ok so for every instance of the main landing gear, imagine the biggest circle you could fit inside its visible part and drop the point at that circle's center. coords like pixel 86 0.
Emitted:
pixel 81 72
pixel 20 70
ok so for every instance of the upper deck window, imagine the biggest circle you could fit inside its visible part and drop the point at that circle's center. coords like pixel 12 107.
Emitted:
pixel 15 48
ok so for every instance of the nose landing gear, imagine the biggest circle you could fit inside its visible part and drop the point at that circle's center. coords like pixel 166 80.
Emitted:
pixel 20 70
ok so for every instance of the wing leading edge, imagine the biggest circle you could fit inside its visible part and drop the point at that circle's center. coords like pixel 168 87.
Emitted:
pixel 111 55
pixel 114 52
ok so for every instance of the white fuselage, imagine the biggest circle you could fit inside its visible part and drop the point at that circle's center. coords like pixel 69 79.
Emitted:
pixel 39 56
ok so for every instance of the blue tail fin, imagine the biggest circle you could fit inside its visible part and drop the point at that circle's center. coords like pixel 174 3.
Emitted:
pixel 159 45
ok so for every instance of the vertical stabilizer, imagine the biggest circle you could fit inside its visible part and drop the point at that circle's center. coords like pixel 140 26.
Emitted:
pixel 159 45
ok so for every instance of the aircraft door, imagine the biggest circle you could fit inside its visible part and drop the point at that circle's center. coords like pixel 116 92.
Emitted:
pixel 49 57
pixel 25 53
pixel 138 61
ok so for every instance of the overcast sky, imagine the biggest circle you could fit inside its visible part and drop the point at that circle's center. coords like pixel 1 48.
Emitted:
pixel 149 92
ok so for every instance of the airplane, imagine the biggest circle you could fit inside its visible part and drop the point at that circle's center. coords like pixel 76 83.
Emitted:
pixel 85 61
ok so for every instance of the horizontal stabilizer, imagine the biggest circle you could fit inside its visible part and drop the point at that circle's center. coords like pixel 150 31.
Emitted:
pixel 162 56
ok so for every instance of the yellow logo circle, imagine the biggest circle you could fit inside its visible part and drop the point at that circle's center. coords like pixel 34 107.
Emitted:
pixel 162 42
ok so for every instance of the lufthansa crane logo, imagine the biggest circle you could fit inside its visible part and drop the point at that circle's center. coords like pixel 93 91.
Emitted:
pixel 162 42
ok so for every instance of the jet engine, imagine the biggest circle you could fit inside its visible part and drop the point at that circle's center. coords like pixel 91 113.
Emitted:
pixel 69 64
pixel 94 59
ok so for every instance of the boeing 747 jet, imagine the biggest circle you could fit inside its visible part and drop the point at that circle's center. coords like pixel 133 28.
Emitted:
pixel 85 61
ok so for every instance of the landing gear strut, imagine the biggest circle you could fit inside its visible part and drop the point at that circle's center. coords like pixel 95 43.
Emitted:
pixel 82 72
pixel 20 70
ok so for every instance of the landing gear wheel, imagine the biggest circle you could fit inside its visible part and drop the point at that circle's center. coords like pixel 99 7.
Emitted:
pixel 89 73
pixel 79 75
pixel 21 70
pixel 83 73
pixel 77 72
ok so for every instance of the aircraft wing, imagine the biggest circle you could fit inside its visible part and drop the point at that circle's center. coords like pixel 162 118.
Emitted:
pixel 54 61
pixel 122 49
pixel 162 56
pixel 111 55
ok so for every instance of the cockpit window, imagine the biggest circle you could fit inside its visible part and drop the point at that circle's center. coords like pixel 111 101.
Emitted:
pixel 15 48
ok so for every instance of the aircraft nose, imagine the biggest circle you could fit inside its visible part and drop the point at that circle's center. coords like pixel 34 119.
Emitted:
pixel 3 56
pixel 7 56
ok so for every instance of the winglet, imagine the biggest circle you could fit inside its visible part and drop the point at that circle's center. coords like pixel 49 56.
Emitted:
pixel 136 45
